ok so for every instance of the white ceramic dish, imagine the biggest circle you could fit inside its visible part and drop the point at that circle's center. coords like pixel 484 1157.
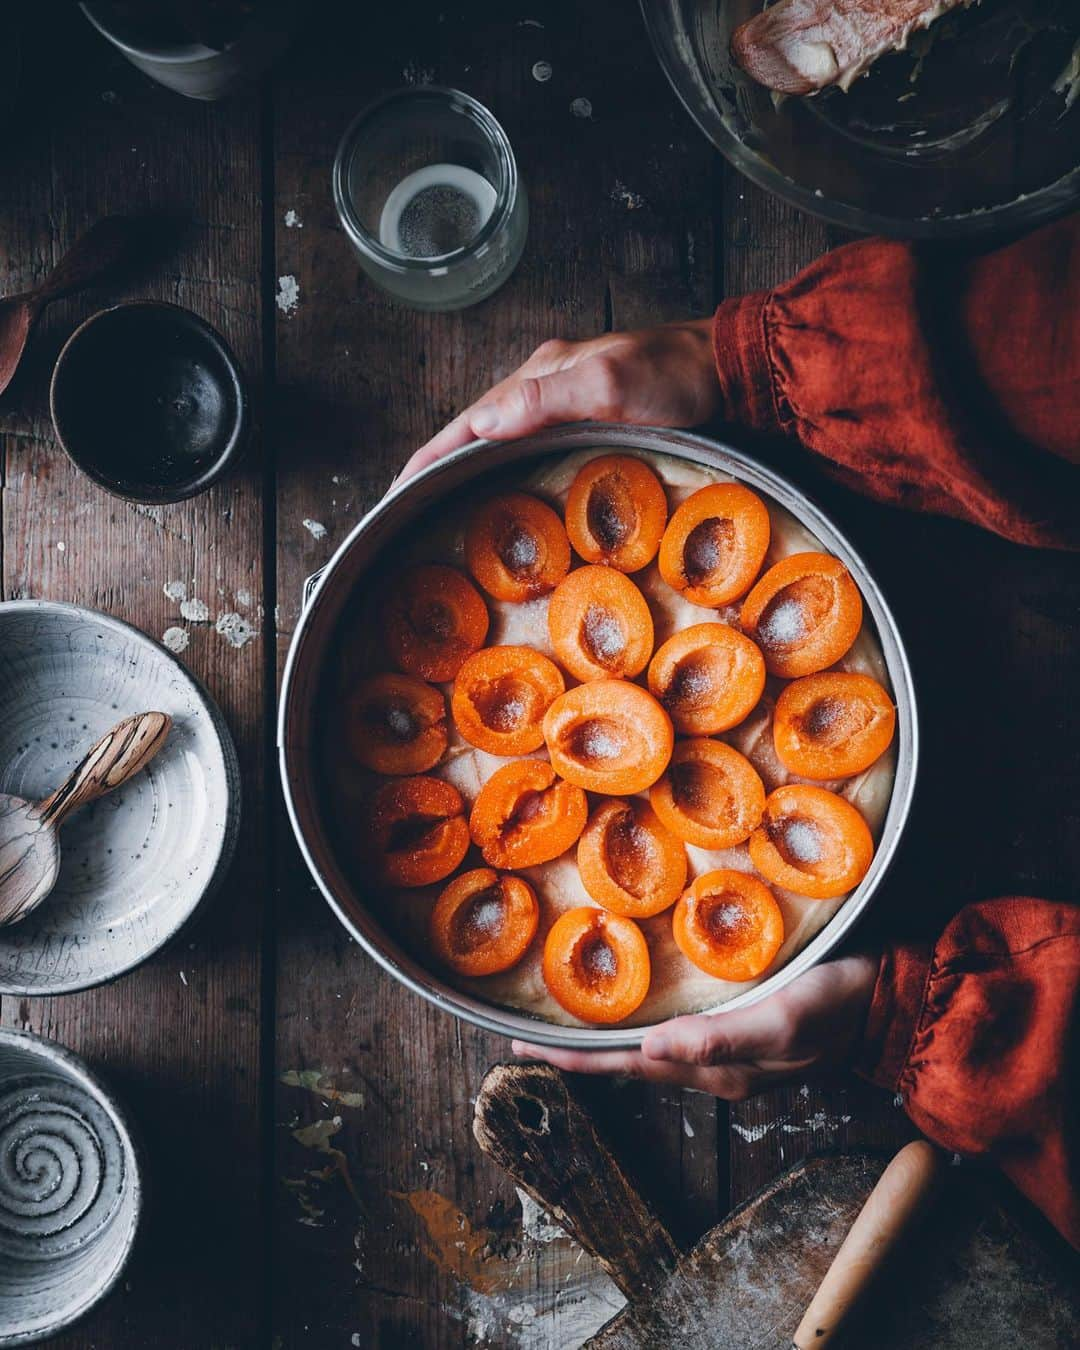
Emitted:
pixel 137 863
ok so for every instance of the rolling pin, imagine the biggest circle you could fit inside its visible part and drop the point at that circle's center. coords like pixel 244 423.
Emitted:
pixel 892 1207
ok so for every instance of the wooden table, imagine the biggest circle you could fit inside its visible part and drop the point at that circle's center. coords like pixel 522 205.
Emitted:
pixel 307 1121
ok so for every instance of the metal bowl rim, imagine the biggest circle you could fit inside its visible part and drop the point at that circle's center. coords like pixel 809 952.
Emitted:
pixel 564 440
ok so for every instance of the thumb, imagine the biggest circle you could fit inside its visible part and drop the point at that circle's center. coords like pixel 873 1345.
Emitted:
pixel 537 401
pixel 735 1037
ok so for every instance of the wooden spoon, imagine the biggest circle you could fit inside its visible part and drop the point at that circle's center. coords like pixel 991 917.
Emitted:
pixel 29 834
pixel 88 260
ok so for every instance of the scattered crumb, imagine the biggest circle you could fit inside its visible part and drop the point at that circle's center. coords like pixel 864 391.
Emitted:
pixel 292 220
pixel 315 528
pixel 176 639
pixel 183 979
pixel 110 96
pixel 61 547
pixel 542 72
pixel 243 597
pixel 414 74
pixel 688 1129
pixel 175 590
pixel 581 107
pixel 195 611
pixel 288 294
pixel 235 629
pixel 620 193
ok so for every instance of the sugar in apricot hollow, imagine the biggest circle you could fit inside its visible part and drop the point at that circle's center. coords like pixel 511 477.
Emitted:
pixel 729 925
pixel 433 617
pixel 600 625
pixel 812 842
pixel 396 724
pixel 804 614
pixel 616 511
pixel 500 697
pixel 628 861
pixel 708 677
pixel 832 725
pixel 525 815
pixel 710 795
pixel 596 965
pixel 483 922
pixel 416 831
pixel 715 543
pixel 609 736
pixel 516 547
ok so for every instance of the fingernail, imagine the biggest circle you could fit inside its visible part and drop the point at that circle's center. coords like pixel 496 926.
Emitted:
pixel 659 1047
pixel 484 421
pixel 517 1047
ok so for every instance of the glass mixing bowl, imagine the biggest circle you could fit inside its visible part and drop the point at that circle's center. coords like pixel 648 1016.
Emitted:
pixel 973 129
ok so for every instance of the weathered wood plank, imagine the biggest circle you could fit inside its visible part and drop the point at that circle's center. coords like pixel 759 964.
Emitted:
pixel 620 229
pixel 179 1039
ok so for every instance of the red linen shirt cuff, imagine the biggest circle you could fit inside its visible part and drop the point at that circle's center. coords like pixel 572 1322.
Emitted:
pixel 895 1013
pixel 741 352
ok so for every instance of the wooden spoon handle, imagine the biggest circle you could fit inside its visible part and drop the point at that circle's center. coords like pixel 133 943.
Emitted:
pixel 118 756
pixel 90 257
pixel 529 1123
pixel 893 1205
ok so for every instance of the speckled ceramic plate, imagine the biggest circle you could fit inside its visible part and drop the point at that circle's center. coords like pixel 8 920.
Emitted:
pixel 136 864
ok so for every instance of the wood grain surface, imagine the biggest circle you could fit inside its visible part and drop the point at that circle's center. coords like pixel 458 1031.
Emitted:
pixel 315 1180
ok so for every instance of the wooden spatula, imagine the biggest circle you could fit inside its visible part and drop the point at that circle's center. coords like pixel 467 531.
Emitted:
pixel 29 833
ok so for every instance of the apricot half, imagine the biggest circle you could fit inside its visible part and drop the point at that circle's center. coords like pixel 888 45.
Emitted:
pixel 729 925
pixel 396 724
pixel 433 618
pixel 708 677
pixel 628 861
pixel 525 815
pixel 832 725
pixel 500 697
pixel 804 614
pixel 516 547
pixel 483 922
pixel 710 795
pixel 600 625
pixel 417 832
pixel 715 543
pixel 608 736
pixel 812 842
pixel 596 965
pixel 616 511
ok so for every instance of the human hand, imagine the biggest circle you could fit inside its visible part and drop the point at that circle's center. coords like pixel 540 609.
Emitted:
pixel 661 376
pixel 815 1023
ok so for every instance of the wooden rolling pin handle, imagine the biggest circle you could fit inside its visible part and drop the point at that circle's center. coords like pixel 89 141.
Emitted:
pixel 893 1205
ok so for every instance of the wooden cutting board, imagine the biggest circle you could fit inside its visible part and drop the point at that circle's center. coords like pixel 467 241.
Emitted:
pixel 971 1277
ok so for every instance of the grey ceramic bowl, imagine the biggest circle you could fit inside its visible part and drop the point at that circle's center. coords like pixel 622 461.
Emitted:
pixel 70 1189
pixel 136 864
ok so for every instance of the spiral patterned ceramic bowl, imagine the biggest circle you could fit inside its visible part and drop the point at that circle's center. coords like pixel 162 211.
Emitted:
pixel 70 1189
pixel 135 864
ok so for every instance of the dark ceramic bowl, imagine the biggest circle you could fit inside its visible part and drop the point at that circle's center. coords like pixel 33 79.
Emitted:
pixel 149 402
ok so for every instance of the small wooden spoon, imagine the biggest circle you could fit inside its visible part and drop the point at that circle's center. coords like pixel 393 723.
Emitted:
pixel 29 834
pixel 88 259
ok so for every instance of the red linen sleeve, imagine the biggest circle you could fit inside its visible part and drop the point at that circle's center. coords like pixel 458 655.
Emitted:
pixel 925 377
pixel 981 1037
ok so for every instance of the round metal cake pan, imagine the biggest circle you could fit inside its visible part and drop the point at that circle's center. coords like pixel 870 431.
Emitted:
pixel 313 640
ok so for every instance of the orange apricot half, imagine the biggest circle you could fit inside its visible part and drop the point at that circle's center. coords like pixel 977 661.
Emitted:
pixel 396 724
pixel 596 965
pixel 500 697
pixel 628 861
pixel 804 614
pixel 608 736
pixel 616 511
pixel 516 547
pixel 417 832
pixel 832 725
pixel 600 625
pixel 708 677
pixel 729 925
pixel 715 543
pixel 710 795
pixel 433 618
pixel 525 815
pixel 483 922
pixel 812 842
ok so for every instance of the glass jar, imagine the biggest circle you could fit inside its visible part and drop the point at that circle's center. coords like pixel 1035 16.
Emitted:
pixel 427 188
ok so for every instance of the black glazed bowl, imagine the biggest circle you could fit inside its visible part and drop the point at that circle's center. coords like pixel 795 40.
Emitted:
pixel 149 402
